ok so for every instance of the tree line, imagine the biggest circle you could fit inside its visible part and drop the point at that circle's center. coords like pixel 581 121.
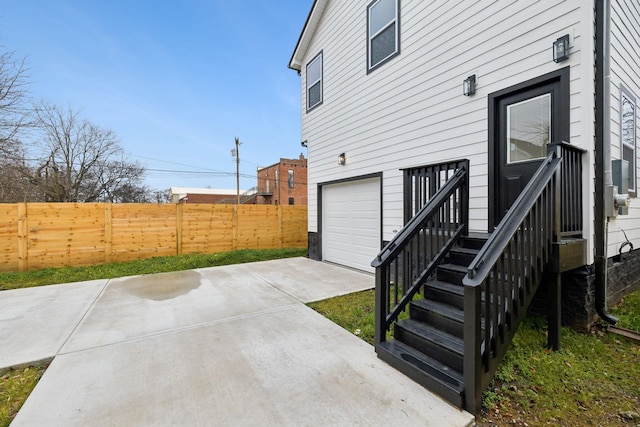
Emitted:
pixel 52 154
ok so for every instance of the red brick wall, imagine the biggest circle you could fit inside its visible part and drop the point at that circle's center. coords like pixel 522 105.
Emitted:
pixel 278 191
pixel 207 198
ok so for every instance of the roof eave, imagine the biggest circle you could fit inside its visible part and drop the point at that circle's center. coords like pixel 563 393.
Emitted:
pixel 307 33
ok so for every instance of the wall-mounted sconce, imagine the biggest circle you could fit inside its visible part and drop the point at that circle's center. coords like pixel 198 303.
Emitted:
pixel 469 85
pixel 561 48
pixel 342 159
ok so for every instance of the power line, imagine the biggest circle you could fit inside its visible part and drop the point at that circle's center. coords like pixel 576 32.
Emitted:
pixel 175 163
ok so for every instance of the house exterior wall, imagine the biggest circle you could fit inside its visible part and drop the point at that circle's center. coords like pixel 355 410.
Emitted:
pixel 625 72
pixel 411 110
pixel 274 186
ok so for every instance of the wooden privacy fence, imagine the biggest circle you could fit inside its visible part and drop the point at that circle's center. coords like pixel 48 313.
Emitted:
pixel 40 235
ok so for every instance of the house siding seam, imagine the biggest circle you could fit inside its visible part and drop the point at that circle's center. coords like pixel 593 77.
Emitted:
pixel 411 111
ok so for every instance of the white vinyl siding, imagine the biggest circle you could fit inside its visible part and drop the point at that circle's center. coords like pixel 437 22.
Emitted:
pixel 412 112
pixel 625 78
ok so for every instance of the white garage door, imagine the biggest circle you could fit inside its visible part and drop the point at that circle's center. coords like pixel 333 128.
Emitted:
pixel 351 223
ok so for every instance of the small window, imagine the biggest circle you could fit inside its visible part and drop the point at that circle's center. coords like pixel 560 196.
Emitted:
pixel 628 135
pixel 383 34
pixel 314 82
pixel 528 129
pixel 290 178
pixel 291 200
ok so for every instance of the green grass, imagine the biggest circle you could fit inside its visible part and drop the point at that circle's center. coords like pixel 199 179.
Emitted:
pixel 15 387
pixel 593 380
pixel 354 312
pixel 52 276
pixel 628 312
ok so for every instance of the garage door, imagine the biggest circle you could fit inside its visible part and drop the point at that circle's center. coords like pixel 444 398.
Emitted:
pixel 351 223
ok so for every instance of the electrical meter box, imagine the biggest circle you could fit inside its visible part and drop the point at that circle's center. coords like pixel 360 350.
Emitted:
pixel 620 172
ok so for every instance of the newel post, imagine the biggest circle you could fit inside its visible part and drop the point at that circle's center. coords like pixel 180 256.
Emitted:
pixel 473 369
pixel 555 289
pixel 381 305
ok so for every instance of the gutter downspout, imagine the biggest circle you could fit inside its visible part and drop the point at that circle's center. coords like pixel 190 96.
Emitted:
pixel 603 176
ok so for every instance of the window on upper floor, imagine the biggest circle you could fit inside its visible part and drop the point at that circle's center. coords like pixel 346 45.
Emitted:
pixel 628 136
pixel 290 178
pixel 383 32
pixel 314 82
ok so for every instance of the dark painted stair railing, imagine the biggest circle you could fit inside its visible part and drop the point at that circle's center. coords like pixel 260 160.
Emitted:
pixel 402 268
pixel 454 299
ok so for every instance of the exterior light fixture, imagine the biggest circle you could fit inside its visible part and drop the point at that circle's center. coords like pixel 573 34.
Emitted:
pixel 342 159
pixel 561 48
pixel 469 85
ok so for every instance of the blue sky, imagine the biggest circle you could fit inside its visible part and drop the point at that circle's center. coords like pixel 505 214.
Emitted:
pixel 175 80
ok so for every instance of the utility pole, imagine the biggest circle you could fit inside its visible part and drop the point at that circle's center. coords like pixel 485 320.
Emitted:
pixel 236 153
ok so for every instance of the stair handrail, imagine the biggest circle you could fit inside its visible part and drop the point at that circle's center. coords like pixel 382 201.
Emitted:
pixel 506 273
pixel 448 225
pixel 396 244
pixel 504 231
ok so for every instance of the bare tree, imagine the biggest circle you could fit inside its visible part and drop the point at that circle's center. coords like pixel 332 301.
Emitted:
pixel 15 184
pixel 14 110
pixel 160 196
pixel 81 162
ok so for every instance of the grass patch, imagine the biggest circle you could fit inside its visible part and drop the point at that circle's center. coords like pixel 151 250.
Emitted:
pixel 593 380
pixel 354 312
pixel 628 311
pixel 15 387
pixel 51 276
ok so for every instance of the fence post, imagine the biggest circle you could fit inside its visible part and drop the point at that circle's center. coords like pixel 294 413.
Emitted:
pixel 23 250
pixel 280 226
pixel 108 233
pixel 179 209
pixel 234 226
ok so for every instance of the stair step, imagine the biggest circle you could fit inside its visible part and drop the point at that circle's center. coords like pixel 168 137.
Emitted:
pixel 445 292
pixel 474 240
pixel 426 371
pixel 431 341
pixel 441 316
pixel 452 273
pixel 462 256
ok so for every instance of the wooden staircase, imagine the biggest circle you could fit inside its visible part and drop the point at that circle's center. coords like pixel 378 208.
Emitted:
pixel 466 294
pixel 429 345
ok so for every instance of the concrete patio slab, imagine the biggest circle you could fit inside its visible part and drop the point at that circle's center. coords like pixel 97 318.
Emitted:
pixel 36 322
pixel 327 280
pixel 138 306
pixel 231 345
pixel 286 367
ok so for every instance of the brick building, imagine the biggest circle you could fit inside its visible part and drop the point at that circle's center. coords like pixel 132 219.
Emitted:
pixel 209 195
pixel 283 183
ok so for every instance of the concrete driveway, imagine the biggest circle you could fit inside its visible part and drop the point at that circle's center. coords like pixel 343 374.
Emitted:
pixel 221 346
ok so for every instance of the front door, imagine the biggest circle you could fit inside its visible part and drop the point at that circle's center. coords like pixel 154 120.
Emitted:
pixel 524 120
